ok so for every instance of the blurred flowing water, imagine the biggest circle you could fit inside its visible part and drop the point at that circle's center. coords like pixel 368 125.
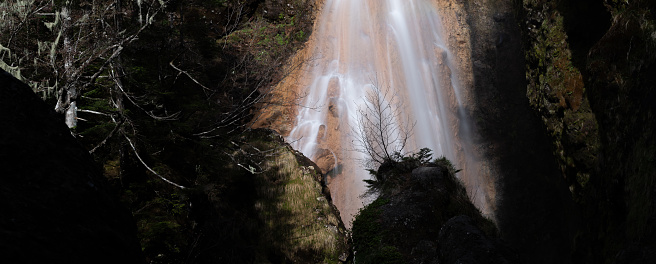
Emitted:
pixel 397 45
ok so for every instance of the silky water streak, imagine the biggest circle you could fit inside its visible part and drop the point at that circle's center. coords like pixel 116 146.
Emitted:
pixel 398 46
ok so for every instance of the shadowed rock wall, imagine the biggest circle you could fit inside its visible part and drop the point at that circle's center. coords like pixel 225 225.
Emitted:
pixel 599 55
pixel 535 212
pixel 56 206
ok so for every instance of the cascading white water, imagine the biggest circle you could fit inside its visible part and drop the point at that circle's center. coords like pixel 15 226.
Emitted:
pixel 397 45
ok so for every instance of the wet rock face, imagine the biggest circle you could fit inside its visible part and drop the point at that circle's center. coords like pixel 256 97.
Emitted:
pixel 56 206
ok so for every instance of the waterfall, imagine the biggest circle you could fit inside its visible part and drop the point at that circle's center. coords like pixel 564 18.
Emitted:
pixel 397 45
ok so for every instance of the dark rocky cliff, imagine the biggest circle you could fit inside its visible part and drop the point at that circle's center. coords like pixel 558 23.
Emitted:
pixel 606 147
pixel 423 215
pixel 56 204
pixel 535 212
pixel 577 171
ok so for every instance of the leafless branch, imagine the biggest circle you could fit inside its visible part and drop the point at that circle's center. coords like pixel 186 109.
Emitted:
pixel 190 77
pixel 110 135
pixel 93 112
pixel 132 100
pixel 136 153
pixel 381 132
pixel 260 96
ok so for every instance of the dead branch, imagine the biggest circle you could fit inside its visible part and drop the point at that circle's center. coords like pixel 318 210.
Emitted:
pixel 110 135
pixel 147 167
pixel 180 71
pixel 132 100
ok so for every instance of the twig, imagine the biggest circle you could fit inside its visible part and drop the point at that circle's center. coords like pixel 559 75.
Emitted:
pixel 147 167
pixel 189 75
pixel 92 112
pixel 111 134
pixel 149 113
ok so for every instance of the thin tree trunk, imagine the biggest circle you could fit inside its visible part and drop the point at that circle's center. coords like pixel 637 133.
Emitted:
pixel 68 95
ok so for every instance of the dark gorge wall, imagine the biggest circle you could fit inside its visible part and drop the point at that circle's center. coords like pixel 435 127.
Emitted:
pixel 620 84
pixel 589 70
pixel 56 204
pixel 535 213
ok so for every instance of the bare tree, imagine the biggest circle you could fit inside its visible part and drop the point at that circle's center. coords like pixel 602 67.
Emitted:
pixel 382 131
pixel 76 42
pixel 63 48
